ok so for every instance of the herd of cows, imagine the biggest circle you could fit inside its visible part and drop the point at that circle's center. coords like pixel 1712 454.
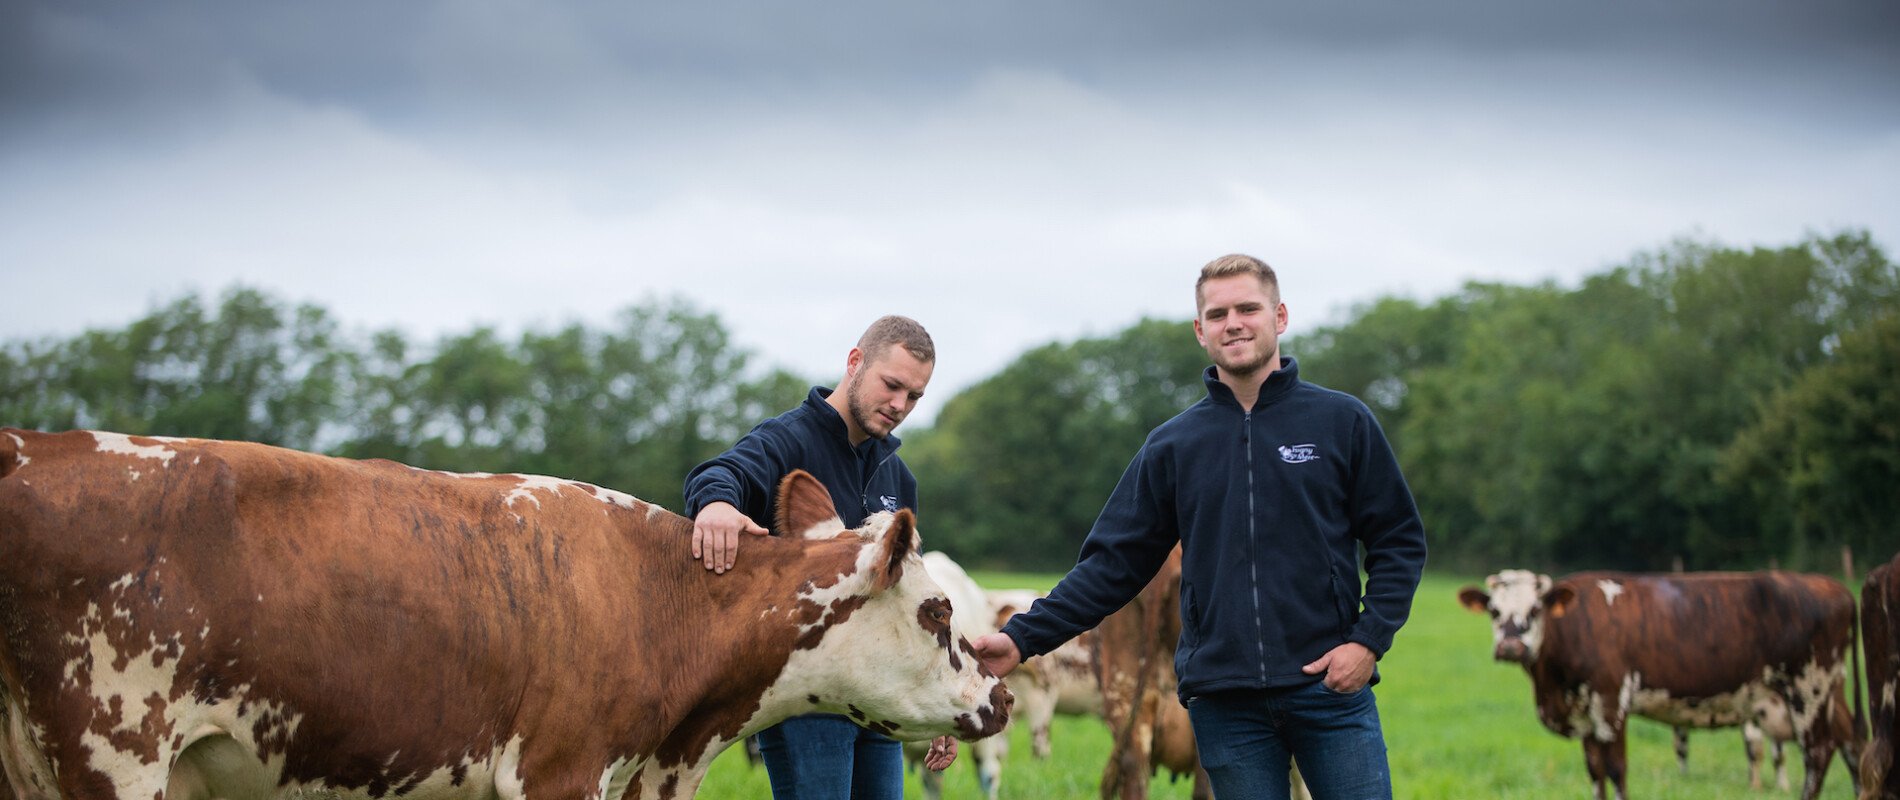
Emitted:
pixel 203 619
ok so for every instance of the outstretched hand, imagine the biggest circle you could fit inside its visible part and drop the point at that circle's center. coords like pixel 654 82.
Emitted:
pixel 997 653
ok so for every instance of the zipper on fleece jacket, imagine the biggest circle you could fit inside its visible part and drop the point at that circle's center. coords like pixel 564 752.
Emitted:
pixel 1253 555
pixel 864 491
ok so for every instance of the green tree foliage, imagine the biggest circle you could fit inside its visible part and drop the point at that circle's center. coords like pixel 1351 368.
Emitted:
pixel 248 369
pixel 1726 406
pixel 633 407
pixel 1577 428
pixel 1822 457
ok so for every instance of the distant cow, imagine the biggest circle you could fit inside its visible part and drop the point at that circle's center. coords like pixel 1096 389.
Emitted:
pixel 199 619
pixel 1880 632
pixel 1134 665
pixel 1689 650
pixel 1061 681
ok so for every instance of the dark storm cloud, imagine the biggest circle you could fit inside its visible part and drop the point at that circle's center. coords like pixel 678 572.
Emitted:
pixel 93 67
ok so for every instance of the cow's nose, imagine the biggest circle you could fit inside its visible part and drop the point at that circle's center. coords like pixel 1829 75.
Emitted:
pixel 1509 650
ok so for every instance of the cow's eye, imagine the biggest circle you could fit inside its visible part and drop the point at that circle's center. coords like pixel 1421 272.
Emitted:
pixel 940 615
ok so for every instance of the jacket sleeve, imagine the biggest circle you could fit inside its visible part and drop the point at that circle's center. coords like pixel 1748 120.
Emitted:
pixel 1385 519
pixel 746 475
pixel 1126 547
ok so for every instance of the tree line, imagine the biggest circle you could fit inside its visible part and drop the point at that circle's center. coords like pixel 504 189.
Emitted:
pixel 1728 407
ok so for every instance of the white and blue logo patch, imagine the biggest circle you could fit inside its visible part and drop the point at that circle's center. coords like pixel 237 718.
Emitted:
pixel 889 502
pixel 1298 453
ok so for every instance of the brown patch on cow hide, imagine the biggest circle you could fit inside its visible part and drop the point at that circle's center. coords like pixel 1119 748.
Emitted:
pixel 934 616
pixel 840 611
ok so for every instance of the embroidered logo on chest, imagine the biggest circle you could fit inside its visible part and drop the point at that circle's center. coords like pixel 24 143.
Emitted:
pixel 1298 453
pixel 889 502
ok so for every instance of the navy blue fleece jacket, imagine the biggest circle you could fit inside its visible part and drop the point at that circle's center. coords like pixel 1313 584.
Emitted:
pixel 1271 507
pixel 863 480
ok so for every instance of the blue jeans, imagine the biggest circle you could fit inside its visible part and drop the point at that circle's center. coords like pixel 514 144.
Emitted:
pixel 828 757
pixel 1246 736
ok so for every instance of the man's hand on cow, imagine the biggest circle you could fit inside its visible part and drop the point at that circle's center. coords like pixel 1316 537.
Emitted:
pixel 1347 667
pixel 716 534
pixel 943 753
pixel 997 653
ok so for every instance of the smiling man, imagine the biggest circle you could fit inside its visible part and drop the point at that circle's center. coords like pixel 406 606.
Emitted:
pixel 1272 486
pixel 842 437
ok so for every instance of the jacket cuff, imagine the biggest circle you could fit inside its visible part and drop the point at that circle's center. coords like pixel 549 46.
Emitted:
pixel 709 497
pixel 1378 653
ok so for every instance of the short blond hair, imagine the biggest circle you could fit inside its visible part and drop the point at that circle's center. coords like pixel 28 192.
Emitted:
pixel 896 330
pixel 1237 264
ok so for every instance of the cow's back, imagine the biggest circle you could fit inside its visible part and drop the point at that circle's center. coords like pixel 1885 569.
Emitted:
pixel 365 606
pixel 1698 634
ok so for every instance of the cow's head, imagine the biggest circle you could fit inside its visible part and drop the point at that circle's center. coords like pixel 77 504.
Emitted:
pixel 1519 602
pixel 890 658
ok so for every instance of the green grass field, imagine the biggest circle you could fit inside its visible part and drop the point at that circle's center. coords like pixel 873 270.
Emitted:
pixel 1457 725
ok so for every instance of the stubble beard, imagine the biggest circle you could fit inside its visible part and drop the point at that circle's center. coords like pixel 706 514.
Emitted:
pixel 855 408
pixel 1247 369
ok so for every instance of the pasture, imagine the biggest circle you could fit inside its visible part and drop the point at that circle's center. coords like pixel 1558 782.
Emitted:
pixel 1457 725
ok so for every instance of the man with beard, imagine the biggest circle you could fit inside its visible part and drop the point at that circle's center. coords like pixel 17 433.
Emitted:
pixel 1272 486
pixel 844 439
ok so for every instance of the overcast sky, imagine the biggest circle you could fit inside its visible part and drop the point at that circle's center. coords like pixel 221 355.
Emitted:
pixel 1008 173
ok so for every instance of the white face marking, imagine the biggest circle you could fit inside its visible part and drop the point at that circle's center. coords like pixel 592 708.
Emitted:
pixel 122 444
pixel 1610 590
pixel 898 674
pixel 1517 596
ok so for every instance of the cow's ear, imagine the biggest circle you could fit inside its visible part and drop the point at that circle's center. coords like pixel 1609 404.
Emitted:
pixel 1474 599
pixel 805 509
pixel 897 543
pixel 1559 600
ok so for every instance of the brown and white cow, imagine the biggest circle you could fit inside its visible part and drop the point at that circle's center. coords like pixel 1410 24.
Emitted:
pixel 1880 635
pixel 970 620
pixel 1689 650
pixel 1134 666
pixel 1061 681
pixel 199 619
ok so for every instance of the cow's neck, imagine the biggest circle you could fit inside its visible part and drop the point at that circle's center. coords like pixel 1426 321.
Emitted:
pixel 736 634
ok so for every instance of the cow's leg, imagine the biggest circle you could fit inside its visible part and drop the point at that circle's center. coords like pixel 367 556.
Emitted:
pixel 1781 765
pixel 1751 745
pixel 1817 747
pixel 987 755
pixel 1846 737
pixel 1682 750
pixel 1203 786
pixel 1605 760
pixel 933 783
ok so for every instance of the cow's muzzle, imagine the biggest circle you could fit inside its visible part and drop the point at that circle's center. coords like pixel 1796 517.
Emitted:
pixel 990 719
pixel 1511 650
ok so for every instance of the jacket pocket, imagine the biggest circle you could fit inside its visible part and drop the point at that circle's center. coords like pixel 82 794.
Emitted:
pixel 1342 605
